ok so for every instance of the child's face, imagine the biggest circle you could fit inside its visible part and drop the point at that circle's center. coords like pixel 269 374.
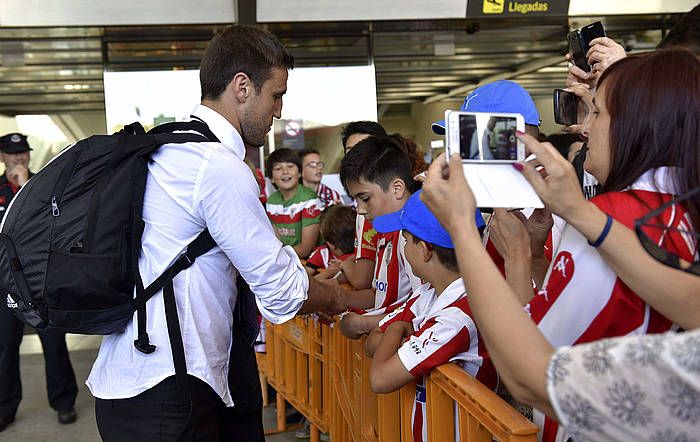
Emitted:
pixel 285 175
pixel 414 254
pixel 373 201
pixel 312 168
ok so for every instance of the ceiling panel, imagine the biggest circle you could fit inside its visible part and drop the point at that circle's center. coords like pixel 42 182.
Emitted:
pixel 54 69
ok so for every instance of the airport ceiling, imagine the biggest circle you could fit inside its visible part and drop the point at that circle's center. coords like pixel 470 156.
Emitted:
pixel 54 70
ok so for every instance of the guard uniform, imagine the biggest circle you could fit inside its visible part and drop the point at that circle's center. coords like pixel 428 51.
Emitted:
pixel 60 379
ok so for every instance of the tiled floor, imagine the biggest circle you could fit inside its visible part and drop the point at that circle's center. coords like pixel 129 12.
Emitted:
pixel 36 421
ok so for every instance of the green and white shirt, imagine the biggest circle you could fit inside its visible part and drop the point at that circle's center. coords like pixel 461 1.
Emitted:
pixel 291 216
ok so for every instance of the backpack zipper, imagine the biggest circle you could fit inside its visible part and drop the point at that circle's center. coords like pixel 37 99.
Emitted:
pixel 54 207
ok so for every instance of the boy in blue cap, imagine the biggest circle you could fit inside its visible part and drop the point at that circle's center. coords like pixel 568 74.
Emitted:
pixel 500 96
pixel 436 319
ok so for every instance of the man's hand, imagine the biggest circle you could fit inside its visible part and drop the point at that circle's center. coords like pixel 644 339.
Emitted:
pixel 509 234
pixel 324 297
pixel 18 175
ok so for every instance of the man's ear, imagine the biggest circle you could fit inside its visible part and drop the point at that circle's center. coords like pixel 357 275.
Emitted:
pixel 240 87
pixel 398 188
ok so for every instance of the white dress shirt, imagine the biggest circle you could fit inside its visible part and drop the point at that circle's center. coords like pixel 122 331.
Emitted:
pixel 190 187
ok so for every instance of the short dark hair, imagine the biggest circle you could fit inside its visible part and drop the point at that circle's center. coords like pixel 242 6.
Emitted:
pixel 447 257
pixel 532 130
pixel 377 160
pixel 415 154
pixel 371 128
pixel 281 156
pixel 338 227
pixel 307 151
pixel 563 142
pixel 241 48
pixel 685 34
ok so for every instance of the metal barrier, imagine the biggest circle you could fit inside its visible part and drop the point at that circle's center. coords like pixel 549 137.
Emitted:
pixel 326 377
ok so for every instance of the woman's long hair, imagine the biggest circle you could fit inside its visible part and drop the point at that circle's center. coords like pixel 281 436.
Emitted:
pixel 654 105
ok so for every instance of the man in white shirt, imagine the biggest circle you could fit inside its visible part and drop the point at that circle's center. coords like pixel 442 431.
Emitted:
pixel 191 187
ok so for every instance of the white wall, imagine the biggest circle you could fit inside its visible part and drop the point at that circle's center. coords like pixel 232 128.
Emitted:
pixel 343 10
pixel 122 12
pixel 619 7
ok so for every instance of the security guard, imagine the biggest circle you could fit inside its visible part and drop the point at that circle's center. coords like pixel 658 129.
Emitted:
pixel 60 379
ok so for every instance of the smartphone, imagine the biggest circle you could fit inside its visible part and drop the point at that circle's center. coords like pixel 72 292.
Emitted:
pixel 591 32
pixel 485 136
pixel 578 53
pixel 579 43
pixel 565 107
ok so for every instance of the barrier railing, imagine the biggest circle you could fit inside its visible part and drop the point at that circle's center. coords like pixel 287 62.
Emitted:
pixel 326 377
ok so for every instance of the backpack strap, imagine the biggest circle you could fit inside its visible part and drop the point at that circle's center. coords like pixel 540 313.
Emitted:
pixel 201 245
pixel 195 125
pixel 171 133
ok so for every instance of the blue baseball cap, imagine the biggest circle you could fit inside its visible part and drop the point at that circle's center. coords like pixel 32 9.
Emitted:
pixel 419 221
pixel 502 96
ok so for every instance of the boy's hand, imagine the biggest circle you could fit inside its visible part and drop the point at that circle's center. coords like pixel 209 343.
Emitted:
pixel 334 266
pixel 403 327
pixel 509 234
pixel 352 326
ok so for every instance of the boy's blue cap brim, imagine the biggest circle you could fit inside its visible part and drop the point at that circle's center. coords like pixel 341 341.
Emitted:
pixel 391 222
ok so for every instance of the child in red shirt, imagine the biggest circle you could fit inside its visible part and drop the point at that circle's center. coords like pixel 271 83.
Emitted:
pixel 338 232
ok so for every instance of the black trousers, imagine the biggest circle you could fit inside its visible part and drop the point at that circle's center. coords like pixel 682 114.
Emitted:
pixel 160 414
pixel 60 378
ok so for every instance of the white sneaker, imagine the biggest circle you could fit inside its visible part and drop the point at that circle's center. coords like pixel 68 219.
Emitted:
pixel 305 431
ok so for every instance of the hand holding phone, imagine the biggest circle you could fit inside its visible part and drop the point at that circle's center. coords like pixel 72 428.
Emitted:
pixel 485 137
pixel 603 52
pixel 579 43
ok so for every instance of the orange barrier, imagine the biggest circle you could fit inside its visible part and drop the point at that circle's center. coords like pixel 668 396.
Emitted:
pixel 481 415
pixel 326 377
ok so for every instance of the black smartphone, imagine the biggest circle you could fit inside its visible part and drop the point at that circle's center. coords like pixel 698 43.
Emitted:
pixel 590 33
pixel 579 43
pixel 565 107
pixel 577 51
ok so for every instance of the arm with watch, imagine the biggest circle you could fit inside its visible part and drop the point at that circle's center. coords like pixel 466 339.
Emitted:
pixel 670 292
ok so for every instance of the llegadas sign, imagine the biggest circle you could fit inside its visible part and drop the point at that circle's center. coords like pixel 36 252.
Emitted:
pixel 496 8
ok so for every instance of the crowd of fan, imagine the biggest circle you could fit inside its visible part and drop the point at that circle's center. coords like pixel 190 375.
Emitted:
pixel 530 299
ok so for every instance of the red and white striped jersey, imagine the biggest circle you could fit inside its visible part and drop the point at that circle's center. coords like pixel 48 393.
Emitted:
pixel 393 280
pixel 444 332
pixel 322 256
pixel 583 300
pixel 365 239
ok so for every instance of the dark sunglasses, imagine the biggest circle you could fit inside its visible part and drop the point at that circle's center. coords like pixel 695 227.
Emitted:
pixel 659 253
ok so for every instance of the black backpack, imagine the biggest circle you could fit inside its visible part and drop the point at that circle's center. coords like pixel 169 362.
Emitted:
pixel 71 238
